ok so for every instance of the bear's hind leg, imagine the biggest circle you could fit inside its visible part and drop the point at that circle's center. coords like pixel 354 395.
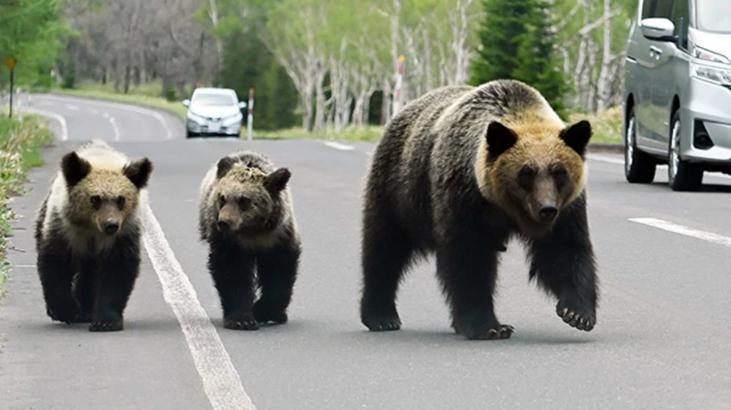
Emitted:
pixel 386 252
pixel 56 272
pixel 563 263
pixel 232 269
pixel 277 271
pixel 467 268
pixel 112 287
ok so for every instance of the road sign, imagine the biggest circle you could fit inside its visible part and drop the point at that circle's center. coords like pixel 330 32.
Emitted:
pixel 10 62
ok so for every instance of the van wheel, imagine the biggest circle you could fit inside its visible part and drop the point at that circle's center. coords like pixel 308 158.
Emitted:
pixel 682 175
pixel 638 166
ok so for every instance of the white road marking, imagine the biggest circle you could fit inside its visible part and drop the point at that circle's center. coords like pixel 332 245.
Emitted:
pixel 72 107
pixel 605 158
pixel 24 266
pixel 127 107
pixel 221 381
pixel 52 115
pixel 339 146
pixel 684 230
pixel 115 126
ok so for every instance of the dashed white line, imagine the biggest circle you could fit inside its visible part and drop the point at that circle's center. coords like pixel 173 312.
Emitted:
pixel 72 107
pixel 115 126
pixel 127 107
pixel 52 115
pixel 221 381
pixel 684 230
pixel 339 146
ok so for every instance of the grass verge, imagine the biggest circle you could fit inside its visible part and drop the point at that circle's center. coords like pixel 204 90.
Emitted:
pixel 21 142
pixel 142 95
pixel 607 125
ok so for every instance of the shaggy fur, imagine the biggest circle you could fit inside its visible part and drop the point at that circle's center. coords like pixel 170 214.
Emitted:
pixel 458 172
pixel 246 216
pixel 87 236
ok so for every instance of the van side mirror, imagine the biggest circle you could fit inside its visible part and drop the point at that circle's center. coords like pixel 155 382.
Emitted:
pixel 659 29
pixel 242 105
pixel 186 103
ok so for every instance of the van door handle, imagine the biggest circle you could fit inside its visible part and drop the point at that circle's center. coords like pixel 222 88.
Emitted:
pixel 655 50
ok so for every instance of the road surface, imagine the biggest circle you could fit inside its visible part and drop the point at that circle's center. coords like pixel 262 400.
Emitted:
pixel 663 338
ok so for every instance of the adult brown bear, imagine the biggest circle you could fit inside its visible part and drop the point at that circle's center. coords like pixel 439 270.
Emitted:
pixel 458 172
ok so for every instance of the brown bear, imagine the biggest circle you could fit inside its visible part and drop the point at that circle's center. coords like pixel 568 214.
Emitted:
pixel 458 172
pixel 88 236
pixel 246 217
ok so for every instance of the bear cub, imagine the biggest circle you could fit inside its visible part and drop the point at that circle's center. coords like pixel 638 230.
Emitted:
pixel 246 217
pixel 458 172
pixel 88 236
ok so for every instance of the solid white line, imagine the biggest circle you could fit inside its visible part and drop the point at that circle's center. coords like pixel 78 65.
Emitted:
pixel 122 106
pixel 684 230
pixel 339 146
pixel 221 381
pixel 604 158
pixel 24 266
pixel 52 115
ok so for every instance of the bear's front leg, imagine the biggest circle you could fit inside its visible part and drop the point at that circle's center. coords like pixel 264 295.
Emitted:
pixel 467 268
pixel 232 269
pixel 563 263
pixel 113 285
pixel 56 272
pixel 83 290
pixel 277 271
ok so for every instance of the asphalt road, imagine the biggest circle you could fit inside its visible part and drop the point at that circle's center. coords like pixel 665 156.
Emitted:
pixel 663 338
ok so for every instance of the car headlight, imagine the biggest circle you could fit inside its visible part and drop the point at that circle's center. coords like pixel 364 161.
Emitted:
pixel 232 120
pixel 705 55
pixel 713 74
pixel 198 119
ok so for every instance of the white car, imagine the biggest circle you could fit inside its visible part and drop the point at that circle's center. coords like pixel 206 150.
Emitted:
pixel 213 112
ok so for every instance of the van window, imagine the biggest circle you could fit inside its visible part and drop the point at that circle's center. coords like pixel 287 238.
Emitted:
pixel 680 18
pixel 657 8
pixel 714 15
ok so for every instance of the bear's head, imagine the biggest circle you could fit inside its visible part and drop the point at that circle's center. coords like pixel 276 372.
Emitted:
pixel 103 197
pixel 247 200
pixel 534 171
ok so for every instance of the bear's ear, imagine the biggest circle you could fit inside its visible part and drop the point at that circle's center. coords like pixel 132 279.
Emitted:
pixel 277 180
pixel 74 168
pixel 138 172
pixel 224 165
pixel 577 136
pixel 499 139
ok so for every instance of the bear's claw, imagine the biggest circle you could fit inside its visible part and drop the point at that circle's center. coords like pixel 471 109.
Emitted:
pixel 245 323
pixel 382 323
pixel 104 326
pixel 495 333
pixel 584 322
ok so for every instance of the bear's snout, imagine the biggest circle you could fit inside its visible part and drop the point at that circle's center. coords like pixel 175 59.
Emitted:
pixel 547 213
pixel 110 226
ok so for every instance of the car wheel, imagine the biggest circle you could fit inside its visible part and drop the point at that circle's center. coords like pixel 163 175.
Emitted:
pixel 638 166
pixel 682 175
pixel 189 134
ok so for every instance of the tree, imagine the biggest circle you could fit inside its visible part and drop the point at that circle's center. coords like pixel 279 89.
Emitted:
pixel 517 41
pixel 537 64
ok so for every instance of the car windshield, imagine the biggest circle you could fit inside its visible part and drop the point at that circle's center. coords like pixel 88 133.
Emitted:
pixel 213 99
pixel 714 15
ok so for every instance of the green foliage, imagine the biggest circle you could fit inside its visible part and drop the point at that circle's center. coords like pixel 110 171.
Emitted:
pixel 516 42
pixel 21 142
pixel 31 32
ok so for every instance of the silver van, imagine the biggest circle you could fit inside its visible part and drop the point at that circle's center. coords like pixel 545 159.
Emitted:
pixel 678 91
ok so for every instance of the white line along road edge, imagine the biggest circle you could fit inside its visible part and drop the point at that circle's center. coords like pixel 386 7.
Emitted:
pixel 120 106
pixel 221 381
pixel 339 146
pixel 52 115
pixel 684 230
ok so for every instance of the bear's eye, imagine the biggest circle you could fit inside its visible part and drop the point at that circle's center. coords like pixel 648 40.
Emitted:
pixel 526 176
pixel 244 203
pixel 560 175
pixel 120 202
pixel 221 200
pixel 96 201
